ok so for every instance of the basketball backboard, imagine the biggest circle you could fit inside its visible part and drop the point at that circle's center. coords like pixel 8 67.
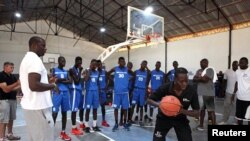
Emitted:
pixel 142 25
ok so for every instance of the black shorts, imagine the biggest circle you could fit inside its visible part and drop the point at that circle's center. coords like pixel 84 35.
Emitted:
pixel 241 108
pixel 181 127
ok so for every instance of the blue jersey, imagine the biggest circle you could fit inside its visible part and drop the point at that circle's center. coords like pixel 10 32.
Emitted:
pixel 140 79
pixel 63 74
pixel 92 83
pixel 121 80
pixel 102 79
pixel 156 79
pixel 130 84
pixel 73 85
pixel 171 75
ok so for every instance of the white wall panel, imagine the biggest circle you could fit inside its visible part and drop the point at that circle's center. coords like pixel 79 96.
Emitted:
pixel 150 54
pixel 189 52
pixel 241 44
pixel 14 50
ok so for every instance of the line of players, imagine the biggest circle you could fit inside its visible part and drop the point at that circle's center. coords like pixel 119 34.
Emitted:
pixel 76 94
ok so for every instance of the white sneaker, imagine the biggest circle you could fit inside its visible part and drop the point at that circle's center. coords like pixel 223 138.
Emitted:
pixel 234 123
pixel 196 119
pixel 200 128
pixel 222 123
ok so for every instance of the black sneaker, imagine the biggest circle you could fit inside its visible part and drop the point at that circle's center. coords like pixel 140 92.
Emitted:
pixel 126 127
pixel 96 129
pixel 121 123
pixel 136 118
pixel 141 123
pixel 87 130
pixel 150 119
pixel 115 128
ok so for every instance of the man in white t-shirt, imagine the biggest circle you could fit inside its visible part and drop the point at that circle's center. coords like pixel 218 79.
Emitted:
pixel 229 83
pixel 36 101
pixel 242 87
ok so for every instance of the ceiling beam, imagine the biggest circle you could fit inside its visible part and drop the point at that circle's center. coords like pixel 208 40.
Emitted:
pixel 176 17
pixel 105 23
pixel 99 15
pixel 83 21
pixel 222 13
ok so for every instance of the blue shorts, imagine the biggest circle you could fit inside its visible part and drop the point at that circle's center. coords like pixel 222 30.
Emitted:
pixel 121 100
pixel 92 99
pixel 76 99
pixel 139 96
pixel 152 92
pixel 61 99
pixel 103 96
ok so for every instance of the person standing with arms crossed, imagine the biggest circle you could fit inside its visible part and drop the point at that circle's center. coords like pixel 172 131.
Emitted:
pixel 8 86
pixel 140 87
pixel 76 97
pixel 36 101
pixel 205 87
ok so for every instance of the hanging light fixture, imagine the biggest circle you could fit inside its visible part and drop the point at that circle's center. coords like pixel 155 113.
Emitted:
pixel 18 14
pixel 102 29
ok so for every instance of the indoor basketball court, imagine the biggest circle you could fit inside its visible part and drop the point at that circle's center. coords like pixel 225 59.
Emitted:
pixel 170 36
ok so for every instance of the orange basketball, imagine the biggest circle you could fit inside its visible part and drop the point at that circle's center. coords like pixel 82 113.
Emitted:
pixel 170 105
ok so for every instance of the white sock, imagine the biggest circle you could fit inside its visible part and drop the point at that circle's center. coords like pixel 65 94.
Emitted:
pixel 94 123
pixel 74 126
pixel 81 122
pixel 86 123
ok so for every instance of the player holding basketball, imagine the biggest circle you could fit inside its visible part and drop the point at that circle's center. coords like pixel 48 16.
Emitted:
pixel 187 96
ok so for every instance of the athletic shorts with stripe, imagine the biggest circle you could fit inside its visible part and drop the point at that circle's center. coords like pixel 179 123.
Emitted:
pixel 92 99
pixel 139 96
pixel 121 100
pixel 76 99
pixel 60 100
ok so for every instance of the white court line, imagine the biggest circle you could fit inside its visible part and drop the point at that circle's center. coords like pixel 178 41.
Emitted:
pixel 221 114
pixel 110 111
pixel 101 133
pixel 152 126
pixel 105 136
pixel 59 119
pixel 148 126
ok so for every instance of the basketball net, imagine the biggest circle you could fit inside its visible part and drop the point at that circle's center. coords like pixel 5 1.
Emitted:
pixel 153 38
